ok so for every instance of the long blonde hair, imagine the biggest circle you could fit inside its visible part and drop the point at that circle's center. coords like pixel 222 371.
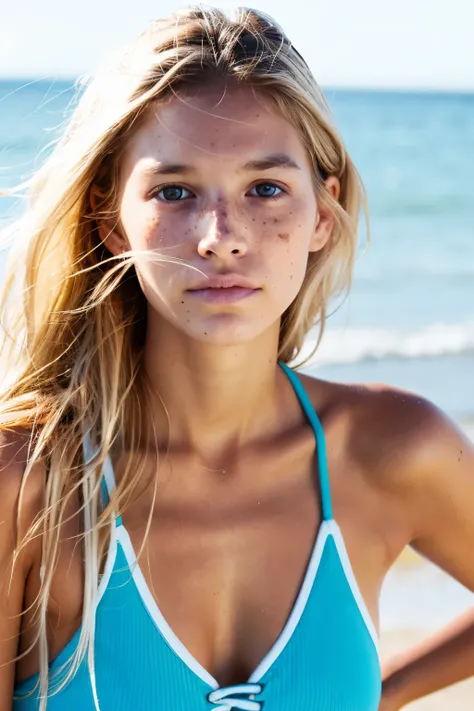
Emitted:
pixel 74 316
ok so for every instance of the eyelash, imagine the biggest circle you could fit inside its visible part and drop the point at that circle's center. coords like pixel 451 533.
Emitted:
pixel 181 187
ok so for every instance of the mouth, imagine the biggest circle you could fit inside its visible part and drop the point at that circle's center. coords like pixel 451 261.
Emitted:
pixel 222 295
pixel 224 289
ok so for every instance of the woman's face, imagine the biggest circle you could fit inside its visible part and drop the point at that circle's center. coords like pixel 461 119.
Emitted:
pixel 222 181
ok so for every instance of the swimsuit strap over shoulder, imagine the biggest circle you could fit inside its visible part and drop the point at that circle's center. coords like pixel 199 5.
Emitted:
pixel 320 439
pixel 107 484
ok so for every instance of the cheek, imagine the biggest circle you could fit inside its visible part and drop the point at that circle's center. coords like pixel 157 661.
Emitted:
pixel 288 241
pixel 294 225
pixel 152 232
pixel 168 232
pixel 146 231
pixel 139 226
pixel 288 236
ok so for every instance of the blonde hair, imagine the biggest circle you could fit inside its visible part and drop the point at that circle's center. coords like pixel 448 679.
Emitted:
pixel 73 351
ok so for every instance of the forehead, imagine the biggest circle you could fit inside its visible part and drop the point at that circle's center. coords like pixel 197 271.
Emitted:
pixel 219 122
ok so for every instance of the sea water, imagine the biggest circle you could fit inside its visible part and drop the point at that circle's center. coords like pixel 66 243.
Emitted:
pixel 409 320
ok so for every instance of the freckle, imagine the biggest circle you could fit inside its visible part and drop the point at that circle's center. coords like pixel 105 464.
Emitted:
pixel 285 236
pixel 275 220
pixel 264 223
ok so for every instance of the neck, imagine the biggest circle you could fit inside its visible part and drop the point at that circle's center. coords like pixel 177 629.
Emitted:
pixel 212 399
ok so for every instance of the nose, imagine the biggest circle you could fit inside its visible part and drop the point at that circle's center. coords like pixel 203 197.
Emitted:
pixel 221 235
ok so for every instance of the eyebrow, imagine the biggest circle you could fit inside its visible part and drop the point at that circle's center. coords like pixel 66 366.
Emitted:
pixel 279 160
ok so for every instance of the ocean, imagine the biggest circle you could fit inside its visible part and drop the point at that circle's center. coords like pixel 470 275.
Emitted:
pixel 409 320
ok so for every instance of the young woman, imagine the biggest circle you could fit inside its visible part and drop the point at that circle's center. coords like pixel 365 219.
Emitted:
pixel 187 523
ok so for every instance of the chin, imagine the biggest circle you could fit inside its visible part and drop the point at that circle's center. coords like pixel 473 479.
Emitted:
pixel 226 334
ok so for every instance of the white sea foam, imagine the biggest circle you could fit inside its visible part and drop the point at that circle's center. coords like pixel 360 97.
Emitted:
pixel 350 345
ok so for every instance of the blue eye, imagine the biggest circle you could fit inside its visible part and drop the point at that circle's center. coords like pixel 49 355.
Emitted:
pixel 172 193
pixel 267 190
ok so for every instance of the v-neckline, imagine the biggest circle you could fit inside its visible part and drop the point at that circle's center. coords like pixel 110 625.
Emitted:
pixel 326 528
pixel 179 648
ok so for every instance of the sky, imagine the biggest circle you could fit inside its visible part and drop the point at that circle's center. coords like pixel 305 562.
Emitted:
pixel 356 43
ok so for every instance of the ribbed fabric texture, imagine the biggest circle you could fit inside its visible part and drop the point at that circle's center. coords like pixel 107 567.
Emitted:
pixel 329 662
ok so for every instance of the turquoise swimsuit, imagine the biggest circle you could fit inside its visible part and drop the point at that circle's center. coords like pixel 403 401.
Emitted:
pixel 325 658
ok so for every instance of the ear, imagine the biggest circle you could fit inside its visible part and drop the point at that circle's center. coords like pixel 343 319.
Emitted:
pixel 324 216
pixel 108 231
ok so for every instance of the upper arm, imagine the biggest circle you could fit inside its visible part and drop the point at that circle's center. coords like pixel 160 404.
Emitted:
pixel 441 487
pixel 433 484
pixel 13 577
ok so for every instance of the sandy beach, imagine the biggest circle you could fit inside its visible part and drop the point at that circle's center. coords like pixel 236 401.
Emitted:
pixel 419 598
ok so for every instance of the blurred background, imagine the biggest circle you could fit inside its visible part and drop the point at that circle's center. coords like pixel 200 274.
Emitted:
pixel 399 78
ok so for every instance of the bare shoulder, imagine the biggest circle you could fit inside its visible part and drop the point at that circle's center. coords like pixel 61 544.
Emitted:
pixel 395 435
pixel 411 459
pixel 21 499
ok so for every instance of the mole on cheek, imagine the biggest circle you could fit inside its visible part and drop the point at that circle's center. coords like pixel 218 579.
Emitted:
pixel 285 236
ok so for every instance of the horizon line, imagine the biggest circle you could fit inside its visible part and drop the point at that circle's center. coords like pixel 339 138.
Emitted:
pixel 388 88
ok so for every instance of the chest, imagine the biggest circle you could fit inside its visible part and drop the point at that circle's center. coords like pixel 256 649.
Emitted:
pixel 224 561
pixel 226 566
pixel 226 577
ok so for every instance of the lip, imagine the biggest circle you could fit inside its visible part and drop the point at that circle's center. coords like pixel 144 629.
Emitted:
pixel 223 281
pixel 223 289
pixel 222 295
